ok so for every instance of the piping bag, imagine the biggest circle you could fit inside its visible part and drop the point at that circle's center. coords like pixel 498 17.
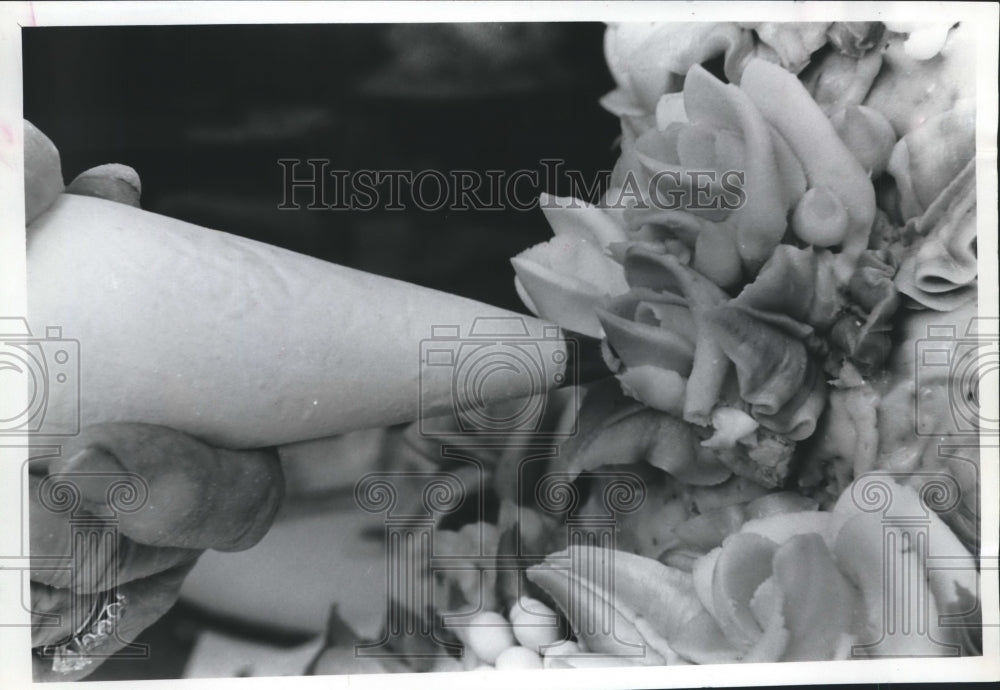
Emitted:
pixel 244 345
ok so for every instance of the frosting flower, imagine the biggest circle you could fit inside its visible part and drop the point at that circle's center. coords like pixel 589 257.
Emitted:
pixel 565 278
pixel 722 135
pixel 786 154
pixel 811 586
pixel 721 351
pixel 787 585
pixel 748 283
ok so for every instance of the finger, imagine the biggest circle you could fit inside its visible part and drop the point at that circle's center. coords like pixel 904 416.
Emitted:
pixel 198 497
pixel 102 557
pixel 145 602
pixel 43 180
pixel 113 181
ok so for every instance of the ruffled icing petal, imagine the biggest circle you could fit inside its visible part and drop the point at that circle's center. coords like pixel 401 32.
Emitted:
pixel 798 283
pixel 779 528
pixel 767 605
pixel 863 555
pixel 669 109
pixel 794 42
pixel 819 602
pixel 928 159
pixel 855 39
pixel 860 548
pixel 717 257
pixel 790 170
pixel 779 503
pixel 760 222
pixel 656 149
pixel 941 271
pixel 946 583
pixel 638 63
pixel 743 564
pixel 570 216
pixel 868 135
pixel 838 81
pixel 653 50
pixel 787 105
pixel 708 530
pixel 771 366
pixel 550 275
pixel 730 153
pixel 702 641
pixel 660 389
pixel 797 418
pixel 663 273
pixel 709 368
pixel 678 171
pixel 666 223
pixel 667 346
pixel 638 588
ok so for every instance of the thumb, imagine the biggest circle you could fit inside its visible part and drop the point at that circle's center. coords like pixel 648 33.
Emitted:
pixel 191 494
pixel 43 180
pixel 113 181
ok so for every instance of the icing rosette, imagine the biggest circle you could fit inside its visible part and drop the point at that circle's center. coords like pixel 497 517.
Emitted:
pixel 676 320
pixel 792 204
pixel 770 136
pixel 780 581
pixel 565 278
pixel 754 301
pixel 812 586
pixel 684 167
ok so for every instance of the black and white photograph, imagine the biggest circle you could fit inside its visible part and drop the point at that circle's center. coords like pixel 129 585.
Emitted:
pixel 560 346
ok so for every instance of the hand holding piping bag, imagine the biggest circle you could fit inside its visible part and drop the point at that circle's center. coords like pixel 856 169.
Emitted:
pixel 194 342
pixel 192 496
pixel 245 345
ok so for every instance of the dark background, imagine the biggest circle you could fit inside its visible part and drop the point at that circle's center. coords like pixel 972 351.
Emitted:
pixel 204 113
